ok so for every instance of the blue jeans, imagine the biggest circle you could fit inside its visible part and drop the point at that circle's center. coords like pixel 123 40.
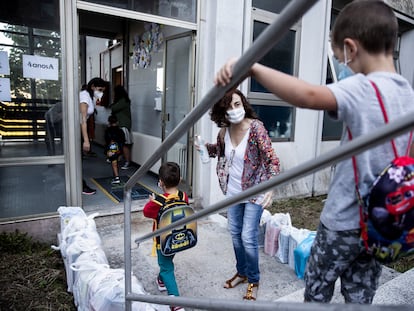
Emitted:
pixel 244 221
pixel 167 275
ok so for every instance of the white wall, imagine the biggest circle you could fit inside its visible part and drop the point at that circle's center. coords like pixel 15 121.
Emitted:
pixel 224 20
pixel 220 37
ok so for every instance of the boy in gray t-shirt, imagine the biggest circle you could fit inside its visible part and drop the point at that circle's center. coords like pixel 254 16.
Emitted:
pixel 363 40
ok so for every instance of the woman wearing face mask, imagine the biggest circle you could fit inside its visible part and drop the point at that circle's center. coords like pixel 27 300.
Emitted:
pixel 87 98
pixel 244 144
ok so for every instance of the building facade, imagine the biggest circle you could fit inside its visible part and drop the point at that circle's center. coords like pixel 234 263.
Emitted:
pixel 165 53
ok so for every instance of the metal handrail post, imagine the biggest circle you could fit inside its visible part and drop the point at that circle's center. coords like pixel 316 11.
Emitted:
pixel 268 38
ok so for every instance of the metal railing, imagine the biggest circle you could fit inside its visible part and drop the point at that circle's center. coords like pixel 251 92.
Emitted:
pixel 260 47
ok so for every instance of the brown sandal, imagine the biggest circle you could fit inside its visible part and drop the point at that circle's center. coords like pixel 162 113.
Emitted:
pixel 235 280
pixel 251 292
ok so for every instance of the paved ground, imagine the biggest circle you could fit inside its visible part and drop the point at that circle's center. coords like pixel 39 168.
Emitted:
pixel 202 270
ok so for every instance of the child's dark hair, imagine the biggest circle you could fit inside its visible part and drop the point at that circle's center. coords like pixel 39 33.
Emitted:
pixel 112 119
pixel 169 174
pixel 218 112
pixel 371 22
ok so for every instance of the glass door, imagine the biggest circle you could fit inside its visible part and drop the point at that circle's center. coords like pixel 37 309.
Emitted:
pixel 32 164
pixel 178 98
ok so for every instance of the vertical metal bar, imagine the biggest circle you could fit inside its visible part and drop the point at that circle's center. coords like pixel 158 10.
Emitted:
pixel 127 248
pixel 69 33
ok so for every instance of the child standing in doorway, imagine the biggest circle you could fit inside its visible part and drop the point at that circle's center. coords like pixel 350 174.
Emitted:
pixel 114 138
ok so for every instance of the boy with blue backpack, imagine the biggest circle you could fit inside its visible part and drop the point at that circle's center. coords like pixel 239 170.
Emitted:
pixel 363 39
pixel 169 179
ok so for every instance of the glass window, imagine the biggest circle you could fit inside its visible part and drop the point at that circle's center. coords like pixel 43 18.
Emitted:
pixel 184 10
pixel 331 128
pixel 31 190
pixel 32 113
pixel 279 57
pixel 277 120
pixel 276 114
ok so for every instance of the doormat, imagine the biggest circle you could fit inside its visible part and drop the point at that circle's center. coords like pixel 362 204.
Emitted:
pixel 116 192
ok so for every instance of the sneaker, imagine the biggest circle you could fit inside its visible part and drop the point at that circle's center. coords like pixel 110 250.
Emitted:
pixel 161 285
pixel 87 190
pixel 116 180
pixel 177 308
pixel 125 166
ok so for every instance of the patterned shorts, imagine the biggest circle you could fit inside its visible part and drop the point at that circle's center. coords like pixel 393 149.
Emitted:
pixel 339 254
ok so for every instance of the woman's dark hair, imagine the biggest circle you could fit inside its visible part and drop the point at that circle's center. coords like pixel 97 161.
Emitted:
pixel 96 82
pixel 169 174
pixel 218 112
pixel 119 93
pixel 372 23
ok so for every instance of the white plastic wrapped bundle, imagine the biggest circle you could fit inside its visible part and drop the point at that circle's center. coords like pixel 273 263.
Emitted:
pixel 106 292
pixel 296 236
pixel 84 271
pixel 67 212
pixel 84 268
pixel 85 241
pixel 79 224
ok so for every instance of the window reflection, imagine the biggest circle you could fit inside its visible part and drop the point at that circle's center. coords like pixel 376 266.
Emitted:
pixel 277 120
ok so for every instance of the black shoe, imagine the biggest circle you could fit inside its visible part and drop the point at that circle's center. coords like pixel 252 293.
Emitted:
pixel 89 191
pixel 116 180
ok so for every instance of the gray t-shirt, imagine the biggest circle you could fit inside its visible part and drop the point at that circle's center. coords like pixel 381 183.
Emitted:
pixel 360 110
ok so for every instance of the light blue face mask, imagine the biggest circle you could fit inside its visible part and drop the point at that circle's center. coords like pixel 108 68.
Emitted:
pixel 344 70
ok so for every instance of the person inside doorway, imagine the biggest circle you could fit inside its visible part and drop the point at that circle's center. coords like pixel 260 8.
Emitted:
pixel 121 109
pixel 87 99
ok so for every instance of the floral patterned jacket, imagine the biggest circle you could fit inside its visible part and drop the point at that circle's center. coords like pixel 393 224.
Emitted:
pixel 260 160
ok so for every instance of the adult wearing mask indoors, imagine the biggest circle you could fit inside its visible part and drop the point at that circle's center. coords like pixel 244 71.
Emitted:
pixel 87 100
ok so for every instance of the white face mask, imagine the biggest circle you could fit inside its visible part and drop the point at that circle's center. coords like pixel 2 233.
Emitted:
pixel 97 94
pixel 236 115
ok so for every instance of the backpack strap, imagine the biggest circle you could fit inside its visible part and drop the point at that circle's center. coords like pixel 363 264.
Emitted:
pixel 384 113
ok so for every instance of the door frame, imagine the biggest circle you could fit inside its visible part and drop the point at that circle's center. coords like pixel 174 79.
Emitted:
pixel 188 176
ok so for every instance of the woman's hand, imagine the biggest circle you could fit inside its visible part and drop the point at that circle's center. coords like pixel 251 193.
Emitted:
pixel 268 199
pixel 225 73
pixel 86 146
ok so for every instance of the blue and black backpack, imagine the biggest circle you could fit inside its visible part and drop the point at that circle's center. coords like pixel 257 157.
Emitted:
pixel 174 208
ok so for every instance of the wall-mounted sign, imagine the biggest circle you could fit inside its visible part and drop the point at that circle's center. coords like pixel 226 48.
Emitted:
pixel 4 63
pixel 5 89
pixel 39 67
